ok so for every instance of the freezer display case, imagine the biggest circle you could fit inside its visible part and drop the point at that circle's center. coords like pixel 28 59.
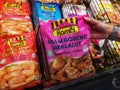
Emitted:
pixel 105 57
pixel 51 39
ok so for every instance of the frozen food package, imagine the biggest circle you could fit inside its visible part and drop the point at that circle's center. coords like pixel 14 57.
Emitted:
pixel 67 44
pixel 15 26
pixel 104 10
pixel 48 11
pixel 19 65
pixel 70 10
pixel 10 7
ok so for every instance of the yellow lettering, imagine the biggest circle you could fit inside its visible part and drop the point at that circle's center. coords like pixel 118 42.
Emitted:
pixel 47 8
pixel 6 4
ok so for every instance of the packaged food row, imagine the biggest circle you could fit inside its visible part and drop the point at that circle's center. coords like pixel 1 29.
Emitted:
pixel 19 63
pixel 52 11
pixel 104 10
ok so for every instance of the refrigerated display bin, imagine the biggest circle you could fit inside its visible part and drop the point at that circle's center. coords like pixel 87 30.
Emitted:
pixel 108 80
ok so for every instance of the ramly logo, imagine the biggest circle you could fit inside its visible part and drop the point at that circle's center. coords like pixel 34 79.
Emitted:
pixel 65 30
pixel 51 8
pixel 15 42
pixel 6 4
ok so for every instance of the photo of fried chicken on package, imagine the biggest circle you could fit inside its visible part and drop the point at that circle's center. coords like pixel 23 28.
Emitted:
pixel 15 26
pixel 19 65
pixel 67 44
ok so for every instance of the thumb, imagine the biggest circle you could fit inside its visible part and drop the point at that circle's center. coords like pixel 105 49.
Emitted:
pixel 91 21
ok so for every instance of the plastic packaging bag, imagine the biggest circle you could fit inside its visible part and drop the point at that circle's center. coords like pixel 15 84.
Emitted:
pixel 48 11
pixel 67 48
pixel 19 65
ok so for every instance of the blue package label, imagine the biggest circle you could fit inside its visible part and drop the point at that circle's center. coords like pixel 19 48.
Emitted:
pixel 48 11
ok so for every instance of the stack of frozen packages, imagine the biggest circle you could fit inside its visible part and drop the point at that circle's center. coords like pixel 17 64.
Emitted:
pixel 104 10
pixel 48 11
pixel 19 65
pixel 66 44
pixel 44 11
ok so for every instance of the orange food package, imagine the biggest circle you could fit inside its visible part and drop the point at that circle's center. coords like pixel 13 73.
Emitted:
pixel 14 7
pixel 19 65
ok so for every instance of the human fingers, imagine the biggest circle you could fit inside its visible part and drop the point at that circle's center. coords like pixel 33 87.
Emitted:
pixel 91 21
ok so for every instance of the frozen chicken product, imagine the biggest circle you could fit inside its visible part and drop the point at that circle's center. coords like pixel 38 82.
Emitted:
pixel 67 48
pixel 19 65
pixel 48 11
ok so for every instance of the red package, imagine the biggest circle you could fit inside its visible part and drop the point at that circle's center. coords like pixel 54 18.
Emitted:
pixel 19 65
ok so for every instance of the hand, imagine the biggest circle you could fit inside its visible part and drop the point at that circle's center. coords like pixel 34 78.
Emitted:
pixel 99 29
